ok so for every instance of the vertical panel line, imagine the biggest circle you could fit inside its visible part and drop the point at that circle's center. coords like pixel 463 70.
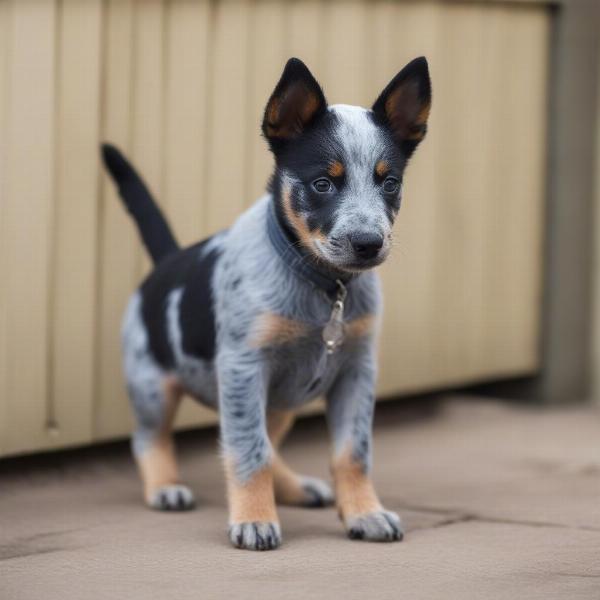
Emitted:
pixel 51 423
pixel 164 54
pixel 6 42
pixel 100 229
pixel 210 78
pixel 249 117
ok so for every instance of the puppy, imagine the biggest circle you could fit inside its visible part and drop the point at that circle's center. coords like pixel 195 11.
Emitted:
pixel 281 308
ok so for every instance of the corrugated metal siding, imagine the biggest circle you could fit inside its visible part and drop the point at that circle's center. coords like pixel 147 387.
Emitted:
pixel 181 86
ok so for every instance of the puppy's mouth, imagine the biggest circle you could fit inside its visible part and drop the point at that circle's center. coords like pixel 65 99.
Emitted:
pixel 365 264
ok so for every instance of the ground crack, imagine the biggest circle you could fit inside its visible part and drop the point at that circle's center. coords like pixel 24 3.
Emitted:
pixel 454 516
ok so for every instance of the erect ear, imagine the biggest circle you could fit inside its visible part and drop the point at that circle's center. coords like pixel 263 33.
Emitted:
pixel 294 104
pixel 404 104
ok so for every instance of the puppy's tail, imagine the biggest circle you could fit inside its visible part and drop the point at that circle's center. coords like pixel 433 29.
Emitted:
pixel 153 227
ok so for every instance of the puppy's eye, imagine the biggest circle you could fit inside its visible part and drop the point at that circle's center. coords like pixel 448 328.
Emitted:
pixel 390 185
pixel 322 185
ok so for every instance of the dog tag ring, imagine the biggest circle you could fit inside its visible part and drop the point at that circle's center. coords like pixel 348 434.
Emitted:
pixel 334 331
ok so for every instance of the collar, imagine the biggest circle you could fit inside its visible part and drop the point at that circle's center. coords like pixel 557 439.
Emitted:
pixel 298 260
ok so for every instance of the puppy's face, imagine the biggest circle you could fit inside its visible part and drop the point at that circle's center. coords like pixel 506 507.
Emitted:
pixel 339 168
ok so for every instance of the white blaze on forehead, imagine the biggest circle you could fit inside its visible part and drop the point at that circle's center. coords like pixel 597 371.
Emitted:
pixel 358 134
pixel 363 145
pixel 350 113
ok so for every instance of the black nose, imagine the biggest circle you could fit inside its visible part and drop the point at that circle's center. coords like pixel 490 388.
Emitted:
pixel 366 245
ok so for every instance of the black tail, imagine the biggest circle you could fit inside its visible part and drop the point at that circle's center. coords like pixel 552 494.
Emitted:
pixel 153 227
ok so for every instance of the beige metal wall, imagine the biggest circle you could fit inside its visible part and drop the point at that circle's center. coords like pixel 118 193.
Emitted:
pixel 595 349
pixel 180 85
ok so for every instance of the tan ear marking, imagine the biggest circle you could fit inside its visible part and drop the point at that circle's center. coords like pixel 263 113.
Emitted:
pixel 310 106
pixel 270 329
pixel 287 114
pixel 336 169
pixel 424 114
pixel 273 117
pixel 408 126
pixel 418 130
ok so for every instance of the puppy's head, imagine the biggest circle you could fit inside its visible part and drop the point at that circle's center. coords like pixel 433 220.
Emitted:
pixel 338 175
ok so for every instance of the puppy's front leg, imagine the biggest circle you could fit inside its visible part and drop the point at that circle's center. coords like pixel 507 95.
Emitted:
pixel 253 522
pixel 350 405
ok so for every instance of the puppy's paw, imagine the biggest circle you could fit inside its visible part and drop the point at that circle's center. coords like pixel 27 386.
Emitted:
pixel 316 492
pixel 378 526
pixel 255 535
pixel 174 497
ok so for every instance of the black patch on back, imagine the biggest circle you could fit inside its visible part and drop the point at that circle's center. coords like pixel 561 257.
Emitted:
pixel 196 315
pixel 192 270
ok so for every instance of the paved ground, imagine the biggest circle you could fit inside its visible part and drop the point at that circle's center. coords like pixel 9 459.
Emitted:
pixel 499 502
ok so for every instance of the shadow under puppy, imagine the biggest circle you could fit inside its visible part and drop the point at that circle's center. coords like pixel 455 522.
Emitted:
pixel 281 308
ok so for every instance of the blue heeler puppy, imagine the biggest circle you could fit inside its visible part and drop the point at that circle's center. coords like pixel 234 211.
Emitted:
pixel 279 309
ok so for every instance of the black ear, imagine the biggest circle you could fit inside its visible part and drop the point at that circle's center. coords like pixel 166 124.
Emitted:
pixel 295 103
pixel 404 104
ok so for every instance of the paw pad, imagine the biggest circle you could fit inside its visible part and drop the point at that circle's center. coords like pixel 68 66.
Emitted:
pixel 318 493
pixel 377 526
pixel 255 535
pixel 172 498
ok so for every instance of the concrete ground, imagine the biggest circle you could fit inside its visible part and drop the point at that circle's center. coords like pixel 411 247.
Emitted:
pixel 498 502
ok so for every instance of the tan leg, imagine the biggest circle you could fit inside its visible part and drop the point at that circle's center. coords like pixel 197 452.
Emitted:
pixel 290 487
pixel 253 500
pixel 253 521
pixel 279 423
pixel 158 464
pixel 358 504
pixel 353 488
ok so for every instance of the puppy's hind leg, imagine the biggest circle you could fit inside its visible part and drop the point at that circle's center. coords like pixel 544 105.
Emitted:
pixel 155 403
pixel 154 397
pixel 290 487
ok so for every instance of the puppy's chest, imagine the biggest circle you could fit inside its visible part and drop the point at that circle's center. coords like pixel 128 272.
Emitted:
pixel 301 371
pixel 300 366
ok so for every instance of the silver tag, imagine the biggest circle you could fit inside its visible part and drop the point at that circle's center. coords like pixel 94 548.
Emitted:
pixel 334 331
